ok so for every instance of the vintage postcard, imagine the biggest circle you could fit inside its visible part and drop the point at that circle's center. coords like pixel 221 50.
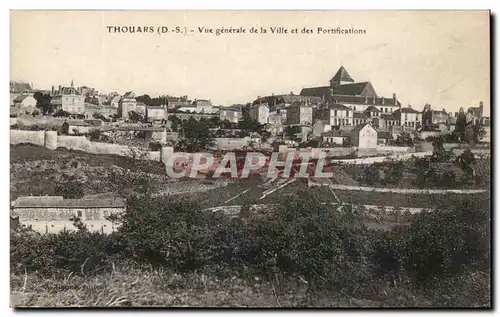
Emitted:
pixel 250 159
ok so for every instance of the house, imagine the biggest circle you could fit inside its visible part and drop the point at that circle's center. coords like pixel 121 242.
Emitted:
pixel 334 137
pixel 127 104
pixel 156 113
pixel 108 111
pixel 409 117
pixel 259 112
pixel 384 121
pixel 17 89
pixel 90 109
pixel 115 101
pixel 54 213
pixel 336 115
pixel 430 117
pixel 475 114
pixel 203 106
pixel 357 96
pixel 23 104
pixel 231 114
pixel 364 136
pixel 25 101
pixel 68 99
pixel 75 127
pixel 299 113
pixel 320 127
pixel 384 137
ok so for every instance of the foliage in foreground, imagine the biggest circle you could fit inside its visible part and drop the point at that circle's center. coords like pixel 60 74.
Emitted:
pixel 327 247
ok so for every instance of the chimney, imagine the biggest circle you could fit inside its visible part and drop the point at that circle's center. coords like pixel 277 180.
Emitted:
pixel 394 99
pixel 52 90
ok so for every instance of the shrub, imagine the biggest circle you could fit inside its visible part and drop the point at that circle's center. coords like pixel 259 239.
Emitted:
pixel 443 242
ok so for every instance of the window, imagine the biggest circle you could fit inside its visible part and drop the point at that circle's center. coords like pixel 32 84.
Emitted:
pixel 79 213
pixel 354 108
pixel 335 113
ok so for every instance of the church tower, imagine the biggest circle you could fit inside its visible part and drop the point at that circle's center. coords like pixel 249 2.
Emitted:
pixel 341 77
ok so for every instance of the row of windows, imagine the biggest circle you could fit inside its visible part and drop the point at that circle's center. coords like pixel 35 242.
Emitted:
pixel 341 121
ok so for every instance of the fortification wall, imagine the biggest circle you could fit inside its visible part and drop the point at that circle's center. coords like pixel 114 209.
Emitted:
pixel 32 137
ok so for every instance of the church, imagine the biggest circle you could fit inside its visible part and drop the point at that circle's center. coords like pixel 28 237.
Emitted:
pixel 358 96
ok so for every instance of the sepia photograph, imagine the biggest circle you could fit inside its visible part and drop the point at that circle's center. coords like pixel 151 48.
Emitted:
pixel 250 159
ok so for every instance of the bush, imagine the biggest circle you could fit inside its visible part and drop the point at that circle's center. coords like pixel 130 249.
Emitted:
pixel 444 242
pixel 78 252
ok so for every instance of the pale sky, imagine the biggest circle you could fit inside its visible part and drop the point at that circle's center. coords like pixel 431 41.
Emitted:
pixel 436 57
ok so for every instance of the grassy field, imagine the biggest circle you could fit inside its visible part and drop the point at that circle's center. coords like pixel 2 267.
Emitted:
pixel 152 288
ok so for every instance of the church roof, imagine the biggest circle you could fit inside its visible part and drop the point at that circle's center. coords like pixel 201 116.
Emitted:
pixel 342 75
pixel 351 89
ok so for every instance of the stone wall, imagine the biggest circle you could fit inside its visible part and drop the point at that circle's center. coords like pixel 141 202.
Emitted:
pixel 32 137
pixel 51 140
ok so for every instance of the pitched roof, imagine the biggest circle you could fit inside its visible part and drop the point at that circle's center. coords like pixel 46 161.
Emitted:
pixel 21 98
pixel 116 99
pixel 129 94
pixel 60 202
pixel 19 87
pixel 409 110
pixel 372 109
pixel 342 75
pixel 316 91
pixel 69 91
pixel 351 89
pixel 359 127
pixel 338 106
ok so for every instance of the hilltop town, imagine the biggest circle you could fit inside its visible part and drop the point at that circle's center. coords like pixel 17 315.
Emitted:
pixel 91 197
pixel 334 115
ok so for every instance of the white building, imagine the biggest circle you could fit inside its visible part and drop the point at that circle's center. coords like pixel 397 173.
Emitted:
pixel 409 117
pixel 364 136
pixel 69 99
pixel 259 112
pixel 299 113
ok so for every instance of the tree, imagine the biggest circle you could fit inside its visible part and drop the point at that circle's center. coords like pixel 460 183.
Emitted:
pixel 291 132
pixel 404 139
pixel 371 175
pixel 43 102
pixel 146 99
pixel 439 154
pixel 226 124
pixel 466 161
pixel 461 123
pixel 135 117
pixel 478 132
pixel 196 136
